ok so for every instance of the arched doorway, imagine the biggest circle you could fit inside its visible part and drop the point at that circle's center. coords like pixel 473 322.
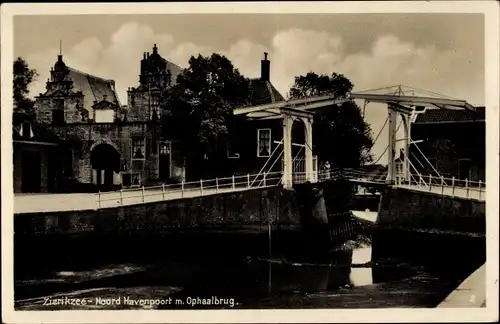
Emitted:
pixel 105 162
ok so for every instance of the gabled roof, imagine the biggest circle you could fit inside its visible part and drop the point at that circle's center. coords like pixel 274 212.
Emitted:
pixel 447 116
pixel 175 70
pixel 263 92
pixel 93 88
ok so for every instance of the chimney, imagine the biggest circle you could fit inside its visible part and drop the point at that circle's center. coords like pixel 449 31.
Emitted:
pixel 147 55
pixel 144 56
pixel 112 84
pixel 155 49
pixel 265 66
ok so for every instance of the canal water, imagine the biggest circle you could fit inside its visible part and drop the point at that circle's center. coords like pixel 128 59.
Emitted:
pixel 215 269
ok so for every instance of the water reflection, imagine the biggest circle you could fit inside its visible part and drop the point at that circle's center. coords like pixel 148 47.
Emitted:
pixel 350 279
pixel 347 268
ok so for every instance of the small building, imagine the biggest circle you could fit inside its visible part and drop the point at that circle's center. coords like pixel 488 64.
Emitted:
pixel 256 142
pixel 37 159
pixel 453 143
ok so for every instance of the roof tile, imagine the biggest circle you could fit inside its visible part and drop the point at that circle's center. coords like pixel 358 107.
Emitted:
pixel 93 88
pixel 446 115
pixel 263 92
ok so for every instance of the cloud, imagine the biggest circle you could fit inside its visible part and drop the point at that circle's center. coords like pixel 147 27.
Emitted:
pixel 293 52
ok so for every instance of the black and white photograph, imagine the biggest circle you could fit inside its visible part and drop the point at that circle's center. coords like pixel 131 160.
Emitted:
pixel 226 162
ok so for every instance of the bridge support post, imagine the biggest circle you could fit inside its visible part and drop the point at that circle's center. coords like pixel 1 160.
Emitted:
pixel 287 151
pixel 309 153
pixel 391 166
pixel 406 148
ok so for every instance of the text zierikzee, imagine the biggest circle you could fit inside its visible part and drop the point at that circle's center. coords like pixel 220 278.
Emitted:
pixel 129 301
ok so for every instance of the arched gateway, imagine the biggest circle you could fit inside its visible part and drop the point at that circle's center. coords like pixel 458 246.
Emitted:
pixel 105 162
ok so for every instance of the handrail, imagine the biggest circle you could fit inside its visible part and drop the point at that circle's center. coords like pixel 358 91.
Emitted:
pixel 458 188
pixel 225 184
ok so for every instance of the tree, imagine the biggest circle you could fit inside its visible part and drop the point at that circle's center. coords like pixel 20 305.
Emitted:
pixel 198 108
pixel 340 134
pixel 23 76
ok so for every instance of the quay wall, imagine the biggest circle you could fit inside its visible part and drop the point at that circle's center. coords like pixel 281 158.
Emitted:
pixel 414 224
pixel 256 207
pixel 301 221
pixel 252 207
pixel 411 209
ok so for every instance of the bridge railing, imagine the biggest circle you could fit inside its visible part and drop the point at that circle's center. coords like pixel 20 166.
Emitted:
pixel 447 186
pixel 186 189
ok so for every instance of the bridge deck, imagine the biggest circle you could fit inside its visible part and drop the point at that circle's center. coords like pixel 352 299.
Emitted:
pixel 458 192
pixel 30 203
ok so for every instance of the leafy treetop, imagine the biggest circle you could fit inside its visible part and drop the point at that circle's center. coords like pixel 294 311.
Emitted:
pixel 340 134
pixel 23 76
pixel 198 108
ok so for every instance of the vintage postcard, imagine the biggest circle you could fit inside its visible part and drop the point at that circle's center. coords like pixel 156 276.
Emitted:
pixel 250 162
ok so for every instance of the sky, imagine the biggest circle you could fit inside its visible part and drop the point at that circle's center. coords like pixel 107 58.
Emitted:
pixel 443 53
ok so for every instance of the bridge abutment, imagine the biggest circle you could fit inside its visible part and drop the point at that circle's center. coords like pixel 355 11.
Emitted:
pixel 413 224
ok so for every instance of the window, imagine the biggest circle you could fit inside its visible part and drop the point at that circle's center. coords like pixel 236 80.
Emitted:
pixel 138 148
pixel 264 142
pixel 131 179
pixel 155 106
pixel 58 112
pixel 164 148
pixel 136 179
pixel 26 130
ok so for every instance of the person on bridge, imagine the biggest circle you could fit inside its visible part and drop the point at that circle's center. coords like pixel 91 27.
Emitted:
pixel 327 170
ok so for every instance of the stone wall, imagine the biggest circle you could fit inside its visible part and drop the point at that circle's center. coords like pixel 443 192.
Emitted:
pixel 138 102
pixel 73 109
pixel 119 136
pixel 234 210
pixel 415 210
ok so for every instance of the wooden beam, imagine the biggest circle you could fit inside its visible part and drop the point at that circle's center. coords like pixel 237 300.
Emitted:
pixel 297 112
pixel 276 113
pixel 324 104
pixel 324 101
pixel 413 100
pixel 280 104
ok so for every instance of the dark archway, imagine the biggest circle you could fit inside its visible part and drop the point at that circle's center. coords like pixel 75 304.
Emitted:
pixel 105 162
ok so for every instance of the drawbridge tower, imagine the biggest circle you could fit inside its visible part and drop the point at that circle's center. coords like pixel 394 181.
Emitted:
pixel 399 102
